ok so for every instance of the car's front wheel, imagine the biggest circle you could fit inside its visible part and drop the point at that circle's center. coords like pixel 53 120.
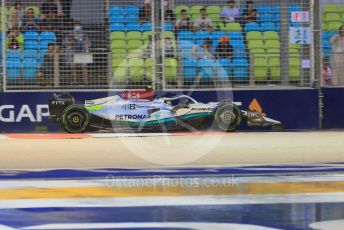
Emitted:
pixel 74 119
pixel 227 117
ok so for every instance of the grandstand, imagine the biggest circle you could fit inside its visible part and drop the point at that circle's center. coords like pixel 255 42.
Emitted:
pixel 125 52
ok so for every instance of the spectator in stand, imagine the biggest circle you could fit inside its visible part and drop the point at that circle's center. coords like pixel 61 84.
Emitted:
pixel 15 40
pixel 224 49
pixel 250 13
pixel 30 21
pixel 203 23
pixel 169 14
pixel 326 76
pixel 230 13
pixel 45 75
pixel 16 18
pixel 169 48
pixel 338 57
pixel 184 23
pixel 145 12
pixel 50 9
pixel 77 42
pixel 203 51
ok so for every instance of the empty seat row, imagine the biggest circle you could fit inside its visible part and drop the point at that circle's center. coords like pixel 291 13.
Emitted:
pixel 137 27
pixel 134 69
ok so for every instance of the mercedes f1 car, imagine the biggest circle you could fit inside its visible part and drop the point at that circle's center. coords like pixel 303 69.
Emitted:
pixel 161 114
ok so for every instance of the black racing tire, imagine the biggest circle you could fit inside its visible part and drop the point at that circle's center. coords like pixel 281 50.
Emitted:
pixel 227 117
pixel 74 119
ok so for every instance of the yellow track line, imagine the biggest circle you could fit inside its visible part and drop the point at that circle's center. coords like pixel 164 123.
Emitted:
pixel 178 190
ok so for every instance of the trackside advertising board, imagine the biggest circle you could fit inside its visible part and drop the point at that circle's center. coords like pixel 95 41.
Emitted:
pixel 296 109
pixel 333 100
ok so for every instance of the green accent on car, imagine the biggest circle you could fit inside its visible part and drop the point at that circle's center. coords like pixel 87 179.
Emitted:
pixel 95 108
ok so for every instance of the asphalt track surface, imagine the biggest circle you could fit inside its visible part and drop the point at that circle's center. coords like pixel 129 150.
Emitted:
pixel 183 149
pixel 241 181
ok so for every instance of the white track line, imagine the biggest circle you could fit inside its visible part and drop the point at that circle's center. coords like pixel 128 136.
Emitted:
pixel 173 201
pixel 163 181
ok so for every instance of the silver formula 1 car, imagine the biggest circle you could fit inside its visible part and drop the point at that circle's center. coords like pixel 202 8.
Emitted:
pixel 162 114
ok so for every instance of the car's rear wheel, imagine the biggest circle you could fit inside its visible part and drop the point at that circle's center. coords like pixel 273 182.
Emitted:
pixel 227 117
pixel 75 119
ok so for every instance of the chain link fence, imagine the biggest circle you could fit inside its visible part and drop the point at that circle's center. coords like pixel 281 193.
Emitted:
pixel 332 21
pixel 175 44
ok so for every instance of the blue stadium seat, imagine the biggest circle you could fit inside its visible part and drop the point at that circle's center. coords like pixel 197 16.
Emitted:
pixel 30 68
pixel 31 35
pixel 31 45
pixel 186 48
pixel 294 7
pixel 201 35
pixel 133 27
pixel 268 26
pixel 13 68
pixel 236 36
pixel 116 10
pixel 147 26
pixel 132 10
pixel 217 34
pixel 131 19
pixel 237 44
pixel 224 64
pixel 189 69
pixel 206 66
pixel 328 35
pixel 117 19
pixel 186 35
pixel 43 45
pixel 48 35
pixel 275 9
pixel 117 27
pixel 169 26
pixel 13 54
pixel 266 17
pixel 27 54
pixel 251 26
pixel 239 52
pixel 263 9
pixel 240 66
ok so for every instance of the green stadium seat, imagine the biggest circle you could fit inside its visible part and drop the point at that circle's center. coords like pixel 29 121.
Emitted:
pixel 177 10
pixel 231 27
pixel 333 26
pixel 330 8
pixel 258 52
pixel 294 46
pixel 194 16
pixel 275 68
pixel 146 34
pixel 134 44
pixel 120 68
pixel 215 18
pixel 270 35
pixel 170 69
pixel 136 69
pixel 255 44
pixel 294 52
pixel 341 8
pixel 134 35
pixel 170 34
pixel 273 52
pixel 214 10
pixel 294 69
pixel 149 68
pixel 117 35
pixel 118 44
pixel 254 35
pixel 195 9
pixel 332 17
pixel 260 71
pixel 272 44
